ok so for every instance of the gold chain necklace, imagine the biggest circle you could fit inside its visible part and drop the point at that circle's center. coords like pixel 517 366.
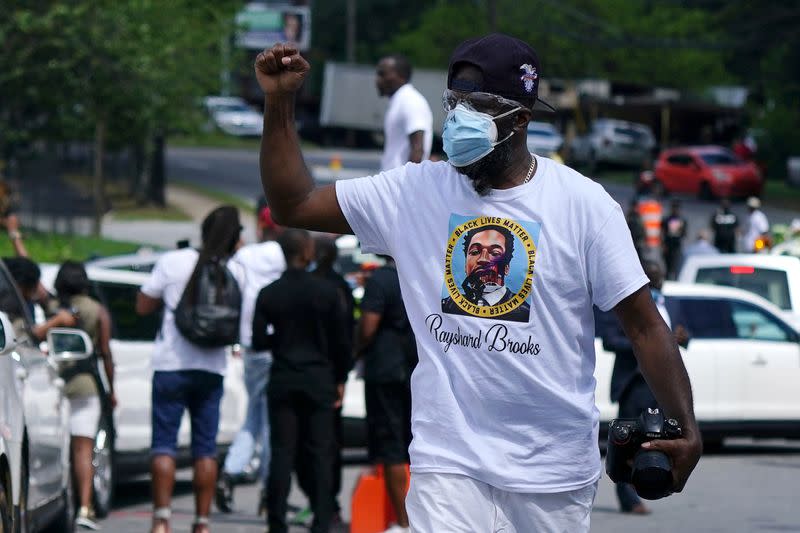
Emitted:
pixel 531 170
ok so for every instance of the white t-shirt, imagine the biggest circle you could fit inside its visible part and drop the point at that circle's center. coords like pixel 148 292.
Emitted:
pixel 171 350
pixel 262 263
pixel 408 112
pixel 507 400
pixel 757 226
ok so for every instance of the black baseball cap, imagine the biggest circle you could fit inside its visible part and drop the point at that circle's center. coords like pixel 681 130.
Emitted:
pixel 510 67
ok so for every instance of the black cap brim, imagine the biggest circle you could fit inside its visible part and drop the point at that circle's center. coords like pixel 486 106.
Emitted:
pixel 541 105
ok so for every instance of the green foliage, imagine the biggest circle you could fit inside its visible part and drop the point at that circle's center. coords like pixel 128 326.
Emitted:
pixel 622 40
pixel 139 64
pixel 54 248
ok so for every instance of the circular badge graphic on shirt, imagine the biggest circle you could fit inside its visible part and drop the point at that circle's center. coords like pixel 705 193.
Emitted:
pixel 489 269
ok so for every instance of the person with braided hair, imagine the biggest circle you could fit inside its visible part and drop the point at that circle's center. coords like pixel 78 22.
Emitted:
pixel 185 375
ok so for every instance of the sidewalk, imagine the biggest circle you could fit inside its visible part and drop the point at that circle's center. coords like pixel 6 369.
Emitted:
pixel 164 234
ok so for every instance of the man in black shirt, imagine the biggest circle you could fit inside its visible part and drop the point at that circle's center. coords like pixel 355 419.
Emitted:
pixel 327 253
pixel 387 344
pixel 725 225
pixel 300 318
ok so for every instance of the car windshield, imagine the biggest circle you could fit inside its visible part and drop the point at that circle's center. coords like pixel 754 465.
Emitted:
pixel 635 134
pixel 230 108
pixel 767 283
pixel 720 158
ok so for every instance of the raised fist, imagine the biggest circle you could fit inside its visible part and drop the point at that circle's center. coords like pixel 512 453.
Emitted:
pixel 281 69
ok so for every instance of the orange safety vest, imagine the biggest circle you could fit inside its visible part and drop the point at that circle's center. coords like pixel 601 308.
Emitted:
pixel 651 213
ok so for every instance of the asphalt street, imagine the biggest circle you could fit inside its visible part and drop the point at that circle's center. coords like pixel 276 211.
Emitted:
pixel 236 172
pixel 745 488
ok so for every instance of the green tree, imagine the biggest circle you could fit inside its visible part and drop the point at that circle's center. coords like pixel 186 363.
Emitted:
pixel 116 72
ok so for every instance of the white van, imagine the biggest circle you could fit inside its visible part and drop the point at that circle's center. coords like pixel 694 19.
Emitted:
pixel 773 277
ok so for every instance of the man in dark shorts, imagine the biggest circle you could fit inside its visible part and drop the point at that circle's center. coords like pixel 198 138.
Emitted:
pixel 387 345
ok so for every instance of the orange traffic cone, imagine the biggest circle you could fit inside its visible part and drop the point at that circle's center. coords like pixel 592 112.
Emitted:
pixel 371 510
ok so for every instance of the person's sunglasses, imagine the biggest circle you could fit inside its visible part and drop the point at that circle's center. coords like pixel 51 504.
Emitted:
pixel 478 101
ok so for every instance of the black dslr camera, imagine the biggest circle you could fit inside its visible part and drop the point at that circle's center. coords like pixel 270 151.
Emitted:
pixel 650 471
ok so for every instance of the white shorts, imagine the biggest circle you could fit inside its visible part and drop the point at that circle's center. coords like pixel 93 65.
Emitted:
pixel 84 416
pixel 439 503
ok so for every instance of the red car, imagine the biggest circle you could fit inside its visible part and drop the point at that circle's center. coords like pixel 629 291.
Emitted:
pixel 707 171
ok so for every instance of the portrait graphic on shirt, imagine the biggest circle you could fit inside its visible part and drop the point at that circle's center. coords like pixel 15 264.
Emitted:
pixel 489 266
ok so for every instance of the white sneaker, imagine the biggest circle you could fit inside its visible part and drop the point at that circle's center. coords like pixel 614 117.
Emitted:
pixel 396 528
pixel 86 519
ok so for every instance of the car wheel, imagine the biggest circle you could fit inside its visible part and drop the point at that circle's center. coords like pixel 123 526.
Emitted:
pixel 103 462
pixel 64 522
pixel 6 511
pixel 21 518
pixel 705 191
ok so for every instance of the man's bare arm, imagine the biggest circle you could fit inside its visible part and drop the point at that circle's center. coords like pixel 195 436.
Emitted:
pixel 288 185
pixel 662 366
pixel 417 140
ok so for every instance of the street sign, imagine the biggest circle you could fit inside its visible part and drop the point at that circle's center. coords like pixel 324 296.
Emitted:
pixel 261 26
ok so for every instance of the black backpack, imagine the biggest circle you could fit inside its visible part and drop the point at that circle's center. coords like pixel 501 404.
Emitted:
pixel 212 321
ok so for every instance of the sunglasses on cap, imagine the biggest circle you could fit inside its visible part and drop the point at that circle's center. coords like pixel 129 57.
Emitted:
pixel 478 101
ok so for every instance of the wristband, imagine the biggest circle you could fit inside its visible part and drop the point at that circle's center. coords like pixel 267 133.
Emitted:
pixel 14 235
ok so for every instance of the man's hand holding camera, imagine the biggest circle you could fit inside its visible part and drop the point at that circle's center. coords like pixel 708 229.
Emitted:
pixel 684 452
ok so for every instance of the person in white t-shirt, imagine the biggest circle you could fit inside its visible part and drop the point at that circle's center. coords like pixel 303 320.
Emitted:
pixel 408 124
pixel 504 422
pixel 757 225
pixel 185 375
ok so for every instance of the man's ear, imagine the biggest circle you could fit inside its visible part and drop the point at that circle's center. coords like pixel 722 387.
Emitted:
pixel 522 118
pixel 507 270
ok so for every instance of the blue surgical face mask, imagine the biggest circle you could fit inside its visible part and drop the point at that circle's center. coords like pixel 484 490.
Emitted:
pixel 470 135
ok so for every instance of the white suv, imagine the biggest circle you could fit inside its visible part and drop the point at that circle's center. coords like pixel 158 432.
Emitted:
pixel 123 443
pixel 743 360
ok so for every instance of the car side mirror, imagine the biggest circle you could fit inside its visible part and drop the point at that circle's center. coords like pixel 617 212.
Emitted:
pixel 68 344
pixel 7 337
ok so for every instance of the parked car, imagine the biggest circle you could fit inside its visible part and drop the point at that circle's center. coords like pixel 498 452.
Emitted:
pixel 543 138
pixel 613 141
pixel 234 116
pixel 743 360
pixel 773 277
pixel 36 490
pixel 122 445
pixel 707 171
pixel 351 263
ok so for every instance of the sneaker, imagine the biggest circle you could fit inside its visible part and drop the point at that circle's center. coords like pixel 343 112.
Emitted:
pixel 86 519
pixel 224 494
pixel 396 528
pixel 302 517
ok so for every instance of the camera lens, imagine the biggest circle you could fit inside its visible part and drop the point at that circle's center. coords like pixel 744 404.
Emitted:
pixel 652 475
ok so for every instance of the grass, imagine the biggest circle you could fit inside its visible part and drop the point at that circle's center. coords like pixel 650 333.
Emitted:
pixel 215 139
pixel 55 248
pixel 219 196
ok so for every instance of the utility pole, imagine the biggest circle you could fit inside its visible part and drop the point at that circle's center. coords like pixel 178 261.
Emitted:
pixel 351 31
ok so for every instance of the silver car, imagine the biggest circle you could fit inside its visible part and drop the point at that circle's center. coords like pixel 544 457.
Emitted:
pixel 233 116
pixel 613 141
pixel 35 480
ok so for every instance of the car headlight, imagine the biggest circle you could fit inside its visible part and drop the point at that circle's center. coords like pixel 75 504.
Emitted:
pixel 720 175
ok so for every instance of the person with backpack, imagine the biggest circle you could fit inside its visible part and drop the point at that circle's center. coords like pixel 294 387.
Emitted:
pixel 201 300
pixel 387 344
pixel 301 320
pixel 263 263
